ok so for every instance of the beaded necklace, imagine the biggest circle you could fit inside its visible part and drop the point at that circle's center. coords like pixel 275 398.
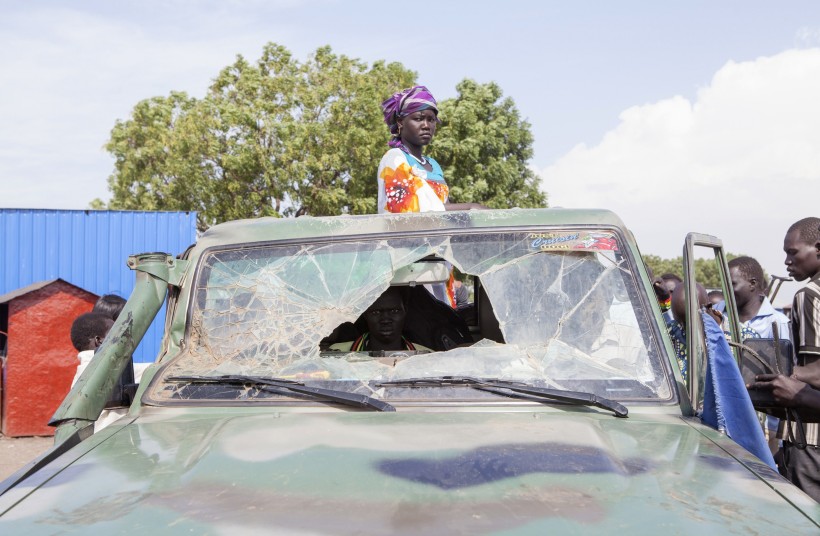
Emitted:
pixel 423 160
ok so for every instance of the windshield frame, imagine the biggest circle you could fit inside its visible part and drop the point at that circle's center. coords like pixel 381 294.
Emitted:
pixel 655 337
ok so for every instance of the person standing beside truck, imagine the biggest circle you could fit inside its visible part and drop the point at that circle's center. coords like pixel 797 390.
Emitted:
pixel 754 308
pixel 87 333
pixel 755 311
pixel 715 296
pixel 676 326
pixel 670 281
pixel 109 305
pixel 801 463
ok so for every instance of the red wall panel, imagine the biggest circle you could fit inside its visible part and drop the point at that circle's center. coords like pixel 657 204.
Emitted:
pixel 41 360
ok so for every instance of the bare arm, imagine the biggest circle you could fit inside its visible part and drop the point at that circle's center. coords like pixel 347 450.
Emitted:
pixel 788 391
pixel 809 373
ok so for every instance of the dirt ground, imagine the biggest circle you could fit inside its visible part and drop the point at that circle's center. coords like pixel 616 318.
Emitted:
pixel 15 452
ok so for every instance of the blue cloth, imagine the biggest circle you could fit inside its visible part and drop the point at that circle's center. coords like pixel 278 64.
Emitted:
pixel 726 403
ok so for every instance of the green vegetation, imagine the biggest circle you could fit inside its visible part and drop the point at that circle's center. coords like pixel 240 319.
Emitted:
pixel 484 146
pixel 706 270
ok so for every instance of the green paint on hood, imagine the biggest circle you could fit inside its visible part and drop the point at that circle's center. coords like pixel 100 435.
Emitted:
pixel 409 473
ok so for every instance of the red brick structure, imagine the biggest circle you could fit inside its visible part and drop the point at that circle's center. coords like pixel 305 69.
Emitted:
pixel 40 360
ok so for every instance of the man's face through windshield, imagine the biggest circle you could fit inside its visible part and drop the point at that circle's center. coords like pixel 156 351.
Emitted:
pixel 385 321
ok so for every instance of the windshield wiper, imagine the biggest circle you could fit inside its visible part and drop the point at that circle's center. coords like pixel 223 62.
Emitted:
pixel 279 384
pixel 514 389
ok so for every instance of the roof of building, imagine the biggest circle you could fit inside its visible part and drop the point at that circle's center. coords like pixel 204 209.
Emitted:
pixel 7 297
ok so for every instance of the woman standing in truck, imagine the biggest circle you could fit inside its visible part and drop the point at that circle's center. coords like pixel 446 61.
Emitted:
pixel 408 180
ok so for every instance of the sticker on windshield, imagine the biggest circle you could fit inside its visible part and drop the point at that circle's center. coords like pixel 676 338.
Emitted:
pixel 562 241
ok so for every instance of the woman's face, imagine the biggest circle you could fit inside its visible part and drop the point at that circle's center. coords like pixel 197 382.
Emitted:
pixel 418 128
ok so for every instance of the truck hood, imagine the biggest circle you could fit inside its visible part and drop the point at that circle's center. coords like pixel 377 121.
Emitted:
pixel 405 473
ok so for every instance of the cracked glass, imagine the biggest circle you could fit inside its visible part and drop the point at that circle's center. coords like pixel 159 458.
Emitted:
pixel 557 309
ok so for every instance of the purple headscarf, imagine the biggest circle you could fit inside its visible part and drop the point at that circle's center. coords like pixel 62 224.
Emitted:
pixel 404 103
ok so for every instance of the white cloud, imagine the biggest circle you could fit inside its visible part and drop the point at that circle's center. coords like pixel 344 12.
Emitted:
pixel 72 74
pixel 741 162
pixel 807 37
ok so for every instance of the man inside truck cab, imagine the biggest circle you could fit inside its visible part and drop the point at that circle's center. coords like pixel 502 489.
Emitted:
pixel 385 325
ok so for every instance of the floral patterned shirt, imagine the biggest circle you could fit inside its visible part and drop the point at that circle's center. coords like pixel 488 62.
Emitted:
pixel 405 186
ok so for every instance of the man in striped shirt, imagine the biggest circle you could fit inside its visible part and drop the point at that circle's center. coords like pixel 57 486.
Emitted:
pixel 801 464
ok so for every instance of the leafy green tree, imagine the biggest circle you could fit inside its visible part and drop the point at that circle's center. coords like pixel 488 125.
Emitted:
pixel 271 138
pixel 280 137
pixel 483 146
pixel 142 147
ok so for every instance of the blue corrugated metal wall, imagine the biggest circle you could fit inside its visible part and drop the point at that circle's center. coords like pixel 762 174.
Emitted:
pixel 89 248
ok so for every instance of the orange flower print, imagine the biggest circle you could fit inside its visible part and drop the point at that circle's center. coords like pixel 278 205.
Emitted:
pixel 400 186
pixel 441 190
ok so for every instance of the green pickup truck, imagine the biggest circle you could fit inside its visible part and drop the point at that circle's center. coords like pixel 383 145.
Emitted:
pixel 549 403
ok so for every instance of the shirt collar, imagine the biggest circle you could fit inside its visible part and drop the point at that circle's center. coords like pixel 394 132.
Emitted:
pixel 766 308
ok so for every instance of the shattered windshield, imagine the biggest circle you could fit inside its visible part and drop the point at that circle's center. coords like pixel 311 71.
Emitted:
pixel 557 309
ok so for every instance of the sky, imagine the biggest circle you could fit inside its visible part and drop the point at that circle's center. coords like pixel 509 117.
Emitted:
pixel 679 116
